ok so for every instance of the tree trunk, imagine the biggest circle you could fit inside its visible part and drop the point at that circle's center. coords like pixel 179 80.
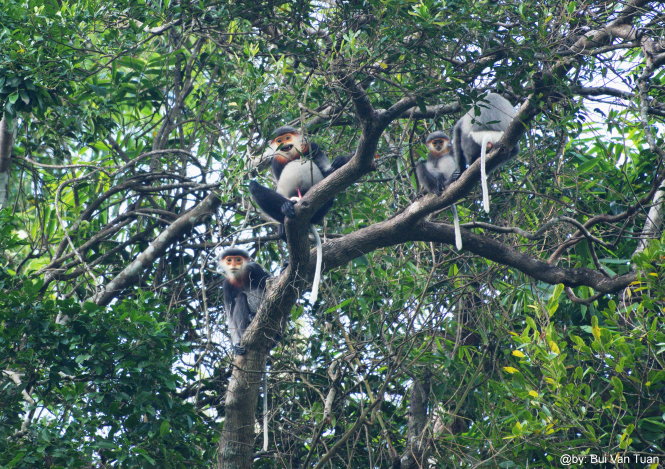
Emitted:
pixel 241 401
pixel 654 222
pixel 6 144
pixel 418 443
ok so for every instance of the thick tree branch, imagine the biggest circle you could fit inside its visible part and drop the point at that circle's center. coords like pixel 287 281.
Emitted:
pixel 620 27
pixel 431 112
pixel 237 441
pixel 400 229
pixel 360 164
pixel 506 255
pixel 364 109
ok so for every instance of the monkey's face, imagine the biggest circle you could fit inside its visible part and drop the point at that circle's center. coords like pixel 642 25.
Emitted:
pixel 439 147
pixel 234 265
pixel 289 146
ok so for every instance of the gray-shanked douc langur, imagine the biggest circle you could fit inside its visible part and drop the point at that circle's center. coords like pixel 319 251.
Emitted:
pixel 297 165
pixel 244 287
pixel 438 171
pixel 479 130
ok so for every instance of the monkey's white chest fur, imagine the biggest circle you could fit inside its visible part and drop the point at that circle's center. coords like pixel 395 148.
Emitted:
pixel 298 175
pixel 445 166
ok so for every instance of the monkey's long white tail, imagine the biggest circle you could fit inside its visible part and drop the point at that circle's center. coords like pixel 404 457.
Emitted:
pixel 483 172
pixel 458 232
pixel 265 409
pixel 317 272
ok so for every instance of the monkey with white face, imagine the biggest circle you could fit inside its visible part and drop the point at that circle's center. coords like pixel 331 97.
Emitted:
pixel 244 288
pixel 441 167
pixel 438 171
pixel 297 166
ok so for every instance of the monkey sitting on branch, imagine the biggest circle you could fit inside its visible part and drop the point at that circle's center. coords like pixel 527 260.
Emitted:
pixel 438 171
pixel 297 165
pixel 478 131
pixel 244 288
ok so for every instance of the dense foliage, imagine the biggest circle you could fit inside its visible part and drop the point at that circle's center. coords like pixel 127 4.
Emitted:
pixel 134 128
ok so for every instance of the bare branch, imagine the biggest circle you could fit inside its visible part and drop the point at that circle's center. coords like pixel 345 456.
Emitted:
pixel 602 90
pixel 143 261
pixel 653 225
pixel 620 27
pixel 431 112
pixel 16 379
pixel 540 232
pixel 576 299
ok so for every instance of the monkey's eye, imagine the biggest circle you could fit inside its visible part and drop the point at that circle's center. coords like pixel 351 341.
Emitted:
pixel 283 139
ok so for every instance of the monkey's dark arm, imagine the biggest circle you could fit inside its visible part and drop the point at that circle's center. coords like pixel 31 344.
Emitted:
pixel 272 203
pixel 238 320
pixel 276 168
pixel 453 177
pixel 429 182
pixel 257 276
pixel 319 157
pixel 337 163
pixel 457 148
pixel 321 160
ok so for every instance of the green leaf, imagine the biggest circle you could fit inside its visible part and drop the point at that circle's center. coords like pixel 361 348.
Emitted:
pixel 164 428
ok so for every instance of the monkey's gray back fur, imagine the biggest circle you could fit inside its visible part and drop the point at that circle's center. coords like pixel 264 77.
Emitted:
pixel 490 117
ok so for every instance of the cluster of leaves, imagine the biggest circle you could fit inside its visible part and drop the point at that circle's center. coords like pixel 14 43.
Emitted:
pixel 105 387
pixel 596 384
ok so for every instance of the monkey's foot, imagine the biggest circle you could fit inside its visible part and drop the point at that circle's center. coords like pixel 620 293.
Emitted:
pixel 239 350
pixel 288 209
pixel 455 176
